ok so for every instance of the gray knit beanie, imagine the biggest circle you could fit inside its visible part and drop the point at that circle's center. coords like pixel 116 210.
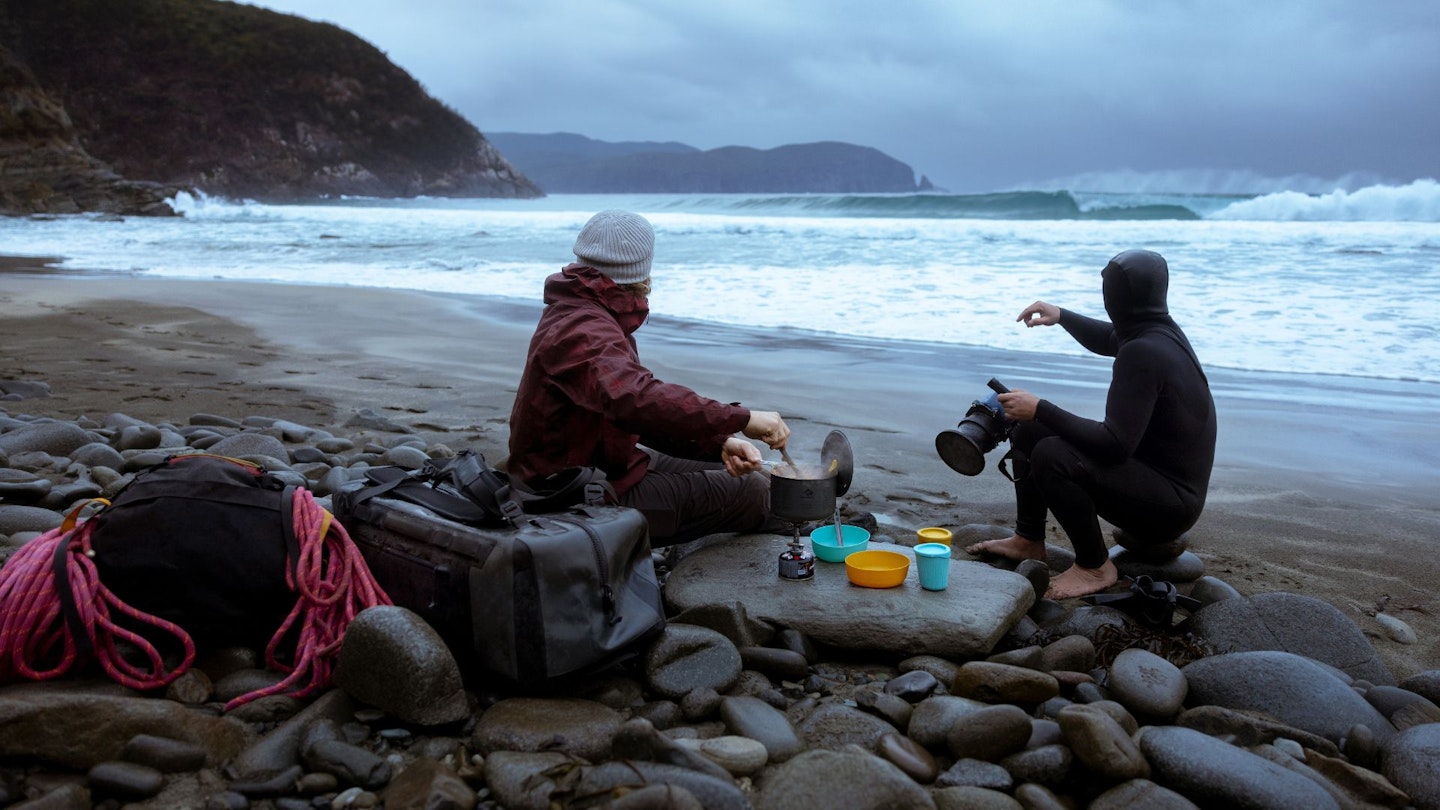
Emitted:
pixel 618 244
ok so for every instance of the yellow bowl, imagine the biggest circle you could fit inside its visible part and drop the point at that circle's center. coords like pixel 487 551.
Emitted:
pixel 876 568
pixel 934 534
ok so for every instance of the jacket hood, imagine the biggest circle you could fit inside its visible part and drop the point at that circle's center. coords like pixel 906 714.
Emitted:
pixel 579 284
pixel 1135 284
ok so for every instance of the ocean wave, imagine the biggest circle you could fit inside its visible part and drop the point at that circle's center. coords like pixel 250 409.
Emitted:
pixel 1007 205
pixel 1417 202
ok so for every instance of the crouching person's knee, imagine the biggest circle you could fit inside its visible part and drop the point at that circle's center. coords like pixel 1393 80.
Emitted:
pixel 1053 457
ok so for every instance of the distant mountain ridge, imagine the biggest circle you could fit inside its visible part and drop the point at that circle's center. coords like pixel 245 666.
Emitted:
pixel 239 101
pixel 567 163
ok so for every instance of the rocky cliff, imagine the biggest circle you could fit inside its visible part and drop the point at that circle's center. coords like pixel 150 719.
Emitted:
pixel 244 102
pixel 43 167
pixel 568 163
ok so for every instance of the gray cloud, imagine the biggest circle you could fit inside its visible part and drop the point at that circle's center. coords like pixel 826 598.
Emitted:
pixel 977 95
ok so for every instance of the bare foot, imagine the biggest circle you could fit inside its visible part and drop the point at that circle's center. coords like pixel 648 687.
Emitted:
pixel 1076 581
pixel 1013 547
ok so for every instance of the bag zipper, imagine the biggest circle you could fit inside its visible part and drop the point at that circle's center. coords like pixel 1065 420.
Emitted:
pixel 607 594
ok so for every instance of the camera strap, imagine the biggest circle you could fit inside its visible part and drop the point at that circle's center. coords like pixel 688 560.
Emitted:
pixel 1005 470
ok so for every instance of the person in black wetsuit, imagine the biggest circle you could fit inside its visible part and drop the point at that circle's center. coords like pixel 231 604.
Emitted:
pixel 1146 467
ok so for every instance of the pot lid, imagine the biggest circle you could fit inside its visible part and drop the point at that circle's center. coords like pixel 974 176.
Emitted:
pixel 835 455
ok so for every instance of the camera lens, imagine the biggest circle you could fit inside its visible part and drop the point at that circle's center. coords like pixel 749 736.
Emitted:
pixel 963 448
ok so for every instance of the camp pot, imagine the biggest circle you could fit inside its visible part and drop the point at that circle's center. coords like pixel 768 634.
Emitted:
pixel 804 492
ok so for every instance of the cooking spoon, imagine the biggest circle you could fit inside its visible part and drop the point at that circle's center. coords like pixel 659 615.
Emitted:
pixel 786 455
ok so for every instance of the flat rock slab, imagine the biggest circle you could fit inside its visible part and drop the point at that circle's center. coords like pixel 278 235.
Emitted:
pixel 966 620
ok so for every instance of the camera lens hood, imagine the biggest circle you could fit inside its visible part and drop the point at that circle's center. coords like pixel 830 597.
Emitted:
pixel 959 449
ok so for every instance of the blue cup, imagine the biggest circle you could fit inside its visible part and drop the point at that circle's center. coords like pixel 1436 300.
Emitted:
pixel 932 561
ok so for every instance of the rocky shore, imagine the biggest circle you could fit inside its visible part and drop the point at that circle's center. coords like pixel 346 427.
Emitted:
pixel 753 696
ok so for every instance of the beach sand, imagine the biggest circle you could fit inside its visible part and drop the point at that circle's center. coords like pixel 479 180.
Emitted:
pixel 1326 487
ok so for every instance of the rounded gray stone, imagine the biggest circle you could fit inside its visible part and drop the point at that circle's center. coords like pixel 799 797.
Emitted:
pixel 55 438
pixel 991 733
pixel 164 754
pixel 943 669
pixel 931 721
pixel 909 756
pixel 1287 687
pixel 1291 623
pixel 752 717
pixel 393 660
pixel 712 792
pixel 1187 567
pixel 1101 743
pixel 98 454
pixel 1411 761
pixel 686 657
pixel 913 686
pixel 1211 772
pixel 351 764
pixel 834 725
pixel 582 728
pixel 1002 683
pixel 1209 589
pixel 976 773
pixel 249 444
pixel 1425 684
pixel 1046 764
pixel 15 519
pixel 522 779
pixel 126 780
pixel 1140 793
pixel 848 778
pixel 138 437
pixel 1148 685
pixel 973 798
pixel 411 458
pixel 1073 653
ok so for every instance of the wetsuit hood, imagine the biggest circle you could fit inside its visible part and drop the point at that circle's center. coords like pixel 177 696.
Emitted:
pixel 1135 284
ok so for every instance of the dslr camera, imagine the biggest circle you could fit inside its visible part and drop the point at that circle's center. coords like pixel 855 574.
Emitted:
pixel 985 425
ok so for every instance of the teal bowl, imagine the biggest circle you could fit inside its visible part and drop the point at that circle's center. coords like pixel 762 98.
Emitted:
pixel 822 541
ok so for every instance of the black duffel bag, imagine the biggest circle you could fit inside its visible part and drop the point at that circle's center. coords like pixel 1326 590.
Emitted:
pixel 531 598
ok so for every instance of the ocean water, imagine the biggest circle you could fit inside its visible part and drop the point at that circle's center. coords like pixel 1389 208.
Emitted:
pixel 1338 284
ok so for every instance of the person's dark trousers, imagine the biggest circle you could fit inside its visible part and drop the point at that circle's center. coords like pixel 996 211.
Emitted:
pixel 685 500
pixel 1051 474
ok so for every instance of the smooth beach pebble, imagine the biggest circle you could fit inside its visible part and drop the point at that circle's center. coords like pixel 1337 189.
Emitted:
pixel 1147 685
pixel 1396 629
pixel 1002 683
pixel 1101 744
pixel 910 757
pixel 741 756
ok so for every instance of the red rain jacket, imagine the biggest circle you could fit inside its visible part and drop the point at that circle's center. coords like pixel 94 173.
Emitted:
pixel 586 401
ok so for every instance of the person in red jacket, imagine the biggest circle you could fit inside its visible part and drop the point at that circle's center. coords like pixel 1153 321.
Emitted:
pixel 585 400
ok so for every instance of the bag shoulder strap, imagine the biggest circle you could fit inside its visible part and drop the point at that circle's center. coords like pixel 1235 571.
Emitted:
pixel 567 488
pixel 415 486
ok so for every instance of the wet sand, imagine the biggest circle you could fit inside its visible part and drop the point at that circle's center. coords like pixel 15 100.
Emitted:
pixel 1323 486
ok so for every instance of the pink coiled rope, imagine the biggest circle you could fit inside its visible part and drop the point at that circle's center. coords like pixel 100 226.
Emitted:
pixel 330 577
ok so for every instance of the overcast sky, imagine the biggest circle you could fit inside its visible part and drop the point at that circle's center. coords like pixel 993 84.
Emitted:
pixel 979 96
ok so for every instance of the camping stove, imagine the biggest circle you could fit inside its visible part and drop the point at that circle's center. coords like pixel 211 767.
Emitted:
pixel 795 562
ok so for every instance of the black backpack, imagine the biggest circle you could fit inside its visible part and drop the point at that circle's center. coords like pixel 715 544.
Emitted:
pixel 197 551
pixel 201 541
